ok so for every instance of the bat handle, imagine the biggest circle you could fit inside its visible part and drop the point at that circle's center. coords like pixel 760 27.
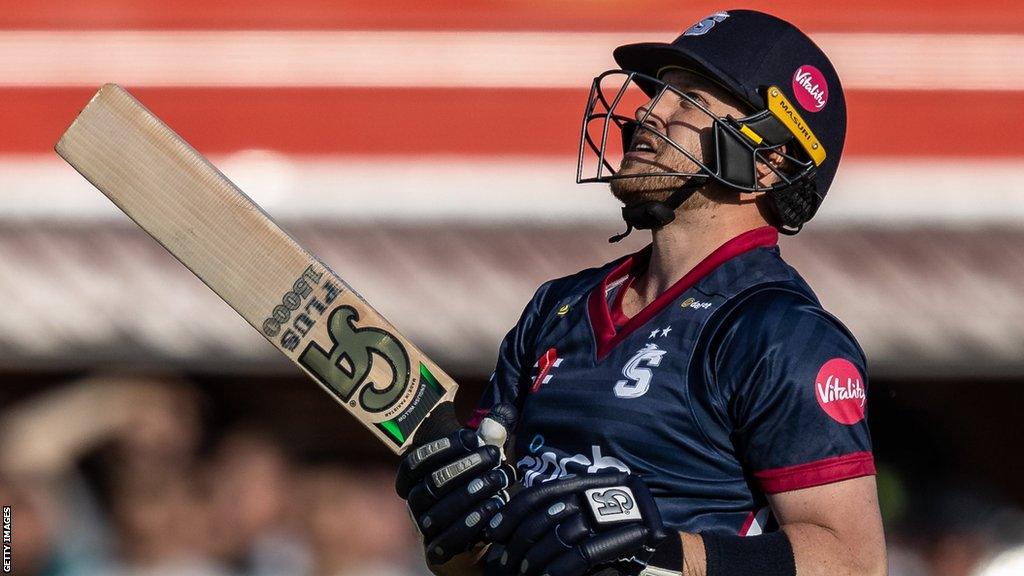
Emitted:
pixel 442 421
pixel 439 423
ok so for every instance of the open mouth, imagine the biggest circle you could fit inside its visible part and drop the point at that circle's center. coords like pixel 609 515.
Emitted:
pixel 642 144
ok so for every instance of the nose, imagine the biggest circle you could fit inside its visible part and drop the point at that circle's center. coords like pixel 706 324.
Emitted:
pixel 642 113
pixel 648 114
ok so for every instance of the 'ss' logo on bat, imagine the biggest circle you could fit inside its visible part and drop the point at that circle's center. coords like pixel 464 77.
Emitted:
pixel 349 364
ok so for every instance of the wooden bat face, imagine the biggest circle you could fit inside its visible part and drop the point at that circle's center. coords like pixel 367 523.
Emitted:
pixel 302 307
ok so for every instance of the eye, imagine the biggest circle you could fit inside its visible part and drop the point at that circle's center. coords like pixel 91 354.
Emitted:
pixel 696 96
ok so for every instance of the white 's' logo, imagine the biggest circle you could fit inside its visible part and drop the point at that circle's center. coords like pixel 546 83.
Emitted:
pixel 704 26
pixel 638 372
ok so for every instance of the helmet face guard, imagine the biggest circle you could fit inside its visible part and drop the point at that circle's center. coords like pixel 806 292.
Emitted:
pixel 739 144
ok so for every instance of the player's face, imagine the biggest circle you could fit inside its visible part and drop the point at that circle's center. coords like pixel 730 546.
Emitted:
pixel 685 124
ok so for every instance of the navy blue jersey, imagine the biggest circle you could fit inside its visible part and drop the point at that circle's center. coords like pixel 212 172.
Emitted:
pixel 733 384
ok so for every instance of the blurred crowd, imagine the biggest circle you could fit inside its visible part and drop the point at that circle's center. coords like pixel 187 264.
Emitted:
pixel 119 476
pixel 109 476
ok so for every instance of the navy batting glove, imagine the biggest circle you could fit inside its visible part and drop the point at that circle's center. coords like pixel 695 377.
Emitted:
pixel 454 485
pixel 605 523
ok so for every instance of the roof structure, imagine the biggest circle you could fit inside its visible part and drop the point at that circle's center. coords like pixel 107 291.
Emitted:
pixel 923 302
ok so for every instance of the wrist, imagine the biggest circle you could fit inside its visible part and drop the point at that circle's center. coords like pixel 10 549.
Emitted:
pixel 694 555
pixel 768 554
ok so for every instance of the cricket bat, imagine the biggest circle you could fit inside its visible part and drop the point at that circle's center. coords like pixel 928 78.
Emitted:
pixel 303 308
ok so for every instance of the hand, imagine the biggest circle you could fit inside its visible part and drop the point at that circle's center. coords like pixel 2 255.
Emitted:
pixel 454 485
pixel 573 526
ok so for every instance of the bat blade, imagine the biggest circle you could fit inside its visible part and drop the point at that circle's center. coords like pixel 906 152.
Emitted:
pixel 303 308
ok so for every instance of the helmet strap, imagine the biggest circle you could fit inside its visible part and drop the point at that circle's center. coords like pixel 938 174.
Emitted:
pixel 651 214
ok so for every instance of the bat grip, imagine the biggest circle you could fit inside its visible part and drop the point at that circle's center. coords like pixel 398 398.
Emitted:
pixel 438 424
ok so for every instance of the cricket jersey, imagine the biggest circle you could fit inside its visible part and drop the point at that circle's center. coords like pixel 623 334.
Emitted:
pixel 733 384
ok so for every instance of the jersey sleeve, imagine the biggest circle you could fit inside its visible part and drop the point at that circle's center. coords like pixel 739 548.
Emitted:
pixel 514 360
pixel 794 384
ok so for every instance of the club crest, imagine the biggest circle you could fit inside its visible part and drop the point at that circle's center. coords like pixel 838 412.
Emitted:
pixel 705 25
pixel 638 373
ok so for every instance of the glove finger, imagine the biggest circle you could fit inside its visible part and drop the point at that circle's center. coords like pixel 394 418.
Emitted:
pixel 429 457
pixel 617 569
pixel 609 546
pixel 462 535
pixel 448 478
pixel 459 472
pixel 492 565
pixel 556 542
pixel 526 502
pixel 459 502
pixel 533 529
pixel 570 563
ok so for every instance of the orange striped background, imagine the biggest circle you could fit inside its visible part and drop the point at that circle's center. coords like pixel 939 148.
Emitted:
pixel 347 122
pixel 990 16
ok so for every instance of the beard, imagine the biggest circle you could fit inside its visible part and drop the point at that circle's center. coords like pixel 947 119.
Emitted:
pixel 656 188
pixel 631 191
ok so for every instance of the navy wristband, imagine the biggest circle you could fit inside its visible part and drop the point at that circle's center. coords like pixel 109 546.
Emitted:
pixel 669 554
pixel 765 555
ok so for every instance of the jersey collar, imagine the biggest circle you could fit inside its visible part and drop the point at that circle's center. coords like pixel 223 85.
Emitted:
pixel 605 334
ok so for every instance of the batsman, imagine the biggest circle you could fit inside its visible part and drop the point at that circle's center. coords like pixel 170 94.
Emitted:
pixel 690 408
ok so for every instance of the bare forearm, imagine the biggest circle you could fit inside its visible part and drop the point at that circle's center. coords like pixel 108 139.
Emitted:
pixel 821 551
pixel 46 435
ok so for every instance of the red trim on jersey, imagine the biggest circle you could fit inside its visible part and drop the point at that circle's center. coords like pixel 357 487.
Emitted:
pixel 601 317
pixel 817 473
pixel 619 318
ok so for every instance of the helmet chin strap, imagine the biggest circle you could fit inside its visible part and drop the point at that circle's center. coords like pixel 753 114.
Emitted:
pixel 651 214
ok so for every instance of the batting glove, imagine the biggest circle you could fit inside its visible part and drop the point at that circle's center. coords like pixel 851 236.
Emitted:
pixel 453 486
pixel 606 522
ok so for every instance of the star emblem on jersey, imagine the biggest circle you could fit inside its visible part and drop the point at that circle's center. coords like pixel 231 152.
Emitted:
pixel 638 373
pixel 660 332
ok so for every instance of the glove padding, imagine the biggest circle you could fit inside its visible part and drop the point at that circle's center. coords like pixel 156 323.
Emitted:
pixel 575 526
pixel 454 485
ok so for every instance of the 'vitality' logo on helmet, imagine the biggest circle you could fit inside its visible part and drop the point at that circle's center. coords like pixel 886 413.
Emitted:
pixel 810 88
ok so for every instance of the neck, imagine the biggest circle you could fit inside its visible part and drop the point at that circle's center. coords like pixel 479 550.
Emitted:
pixel 678 247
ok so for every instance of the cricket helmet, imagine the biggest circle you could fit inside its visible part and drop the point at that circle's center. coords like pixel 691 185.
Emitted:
pixel 796 102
